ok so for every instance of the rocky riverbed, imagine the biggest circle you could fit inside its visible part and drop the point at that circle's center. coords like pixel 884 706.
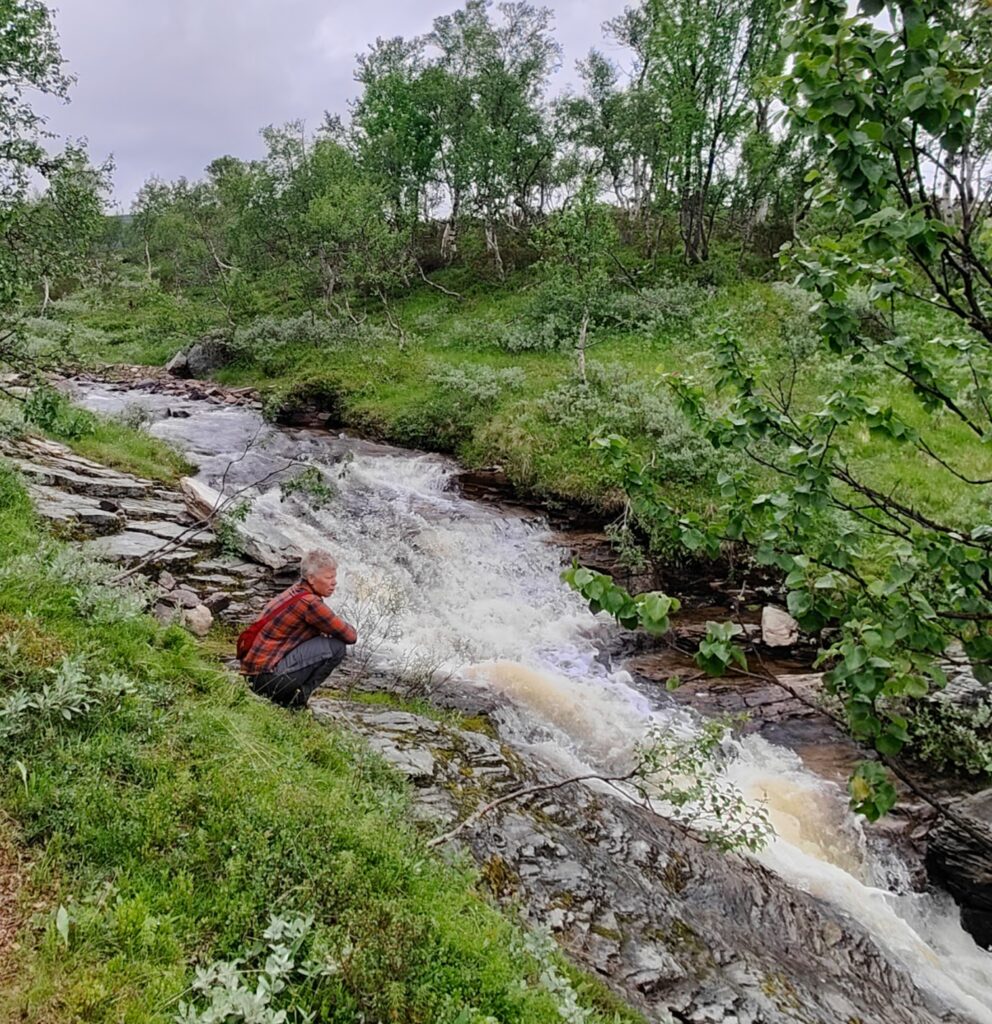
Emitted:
pixel 673 926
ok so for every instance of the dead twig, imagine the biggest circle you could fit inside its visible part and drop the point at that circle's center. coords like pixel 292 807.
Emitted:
pixel 438 287
pixel 223 503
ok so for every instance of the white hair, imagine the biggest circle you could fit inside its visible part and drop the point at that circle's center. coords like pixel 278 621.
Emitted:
pixel 314 561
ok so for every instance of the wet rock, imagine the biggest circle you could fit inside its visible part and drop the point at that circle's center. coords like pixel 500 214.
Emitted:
pixel 395 735
pixel 197 620
pixel 963 864
pixel 178 365
pixel 671 925
pixel 778 627
pixel 259 539
pixel 208 354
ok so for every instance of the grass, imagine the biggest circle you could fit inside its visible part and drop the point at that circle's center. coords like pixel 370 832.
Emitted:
pixel 171 824
pixel 104 439
pixel 539 431
pixel 132 451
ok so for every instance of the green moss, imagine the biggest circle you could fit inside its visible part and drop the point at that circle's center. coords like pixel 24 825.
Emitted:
pixel 498 876
pixel 480 724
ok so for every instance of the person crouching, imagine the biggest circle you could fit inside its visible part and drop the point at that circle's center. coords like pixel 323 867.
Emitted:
pixel 298 640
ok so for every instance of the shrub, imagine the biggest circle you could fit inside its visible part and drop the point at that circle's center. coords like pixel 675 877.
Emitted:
pixel 272 343
pixel 52 411
pixel 613 400
pixel 51 699
pixel 551 319
pixel 481 385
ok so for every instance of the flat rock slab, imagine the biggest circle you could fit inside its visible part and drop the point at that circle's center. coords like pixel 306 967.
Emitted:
pixel 154 508
pixel 165 529
pixel 75 509
pixel 113 486
pixel 669 923
pixel 131 546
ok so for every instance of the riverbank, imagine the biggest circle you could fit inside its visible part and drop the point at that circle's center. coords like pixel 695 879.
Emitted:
pixel 471 377
pixel 157 818
pixel 537 866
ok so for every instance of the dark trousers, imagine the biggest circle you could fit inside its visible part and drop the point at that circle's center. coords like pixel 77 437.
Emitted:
pixel 297 674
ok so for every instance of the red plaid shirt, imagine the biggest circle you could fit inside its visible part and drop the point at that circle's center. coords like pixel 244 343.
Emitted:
pixel 302 619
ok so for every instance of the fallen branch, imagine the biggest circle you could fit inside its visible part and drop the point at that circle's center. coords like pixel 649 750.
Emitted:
pixel 439 287
pixel 521 794
pixel 208 518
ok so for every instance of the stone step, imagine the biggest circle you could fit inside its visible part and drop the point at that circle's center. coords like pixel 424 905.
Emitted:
pixel 112 486
pixel 76 510
pixel 167 530
pixel 154 508
pixel 131 546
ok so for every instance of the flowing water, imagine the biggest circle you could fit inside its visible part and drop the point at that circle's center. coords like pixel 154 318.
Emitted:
pixel 450 586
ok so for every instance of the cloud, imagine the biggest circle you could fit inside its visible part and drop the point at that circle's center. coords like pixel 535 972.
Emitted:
pixel 168 87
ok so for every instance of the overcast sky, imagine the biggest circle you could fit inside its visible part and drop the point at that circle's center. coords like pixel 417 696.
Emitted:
pixel 167 86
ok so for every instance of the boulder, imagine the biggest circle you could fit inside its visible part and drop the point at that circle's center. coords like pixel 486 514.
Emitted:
pixel 178 365
pixel 197 620
pixel 165 614
pixel 778 627
pixel 166 580
pixel 208 354
pixel 258 538
pixel 184 597
pixel 217 601
pixel 963 865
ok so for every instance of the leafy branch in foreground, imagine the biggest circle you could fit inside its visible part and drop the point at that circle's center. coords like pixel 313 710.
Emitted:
pixel 871 791
pixel 897 111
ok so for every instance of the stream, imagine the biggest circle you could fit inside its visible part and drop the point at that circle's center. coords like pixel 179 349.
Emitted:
pixel 444 586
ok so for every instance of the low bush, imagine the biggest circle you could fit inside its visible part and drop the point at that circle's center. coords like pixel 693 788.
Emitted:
pixel 479 385
pixel 276 344
pixel 614 400
pixel 551 319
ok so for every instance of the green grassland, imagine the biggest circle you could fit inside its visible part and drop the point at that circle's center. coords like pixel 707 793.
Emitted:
pixel 457 381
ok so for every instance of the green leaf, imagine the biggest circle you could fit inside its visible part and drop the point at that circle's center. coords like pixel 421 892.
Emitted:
pixel 62 924
pixel 693 539
pixel 916 687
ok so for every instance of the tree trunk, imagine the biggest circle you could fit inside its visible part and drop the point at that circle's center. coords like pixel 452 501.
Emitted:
pixel 148 262
pixel 47 297
pixel 492 244
pixel 581 346
pixel 449 239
